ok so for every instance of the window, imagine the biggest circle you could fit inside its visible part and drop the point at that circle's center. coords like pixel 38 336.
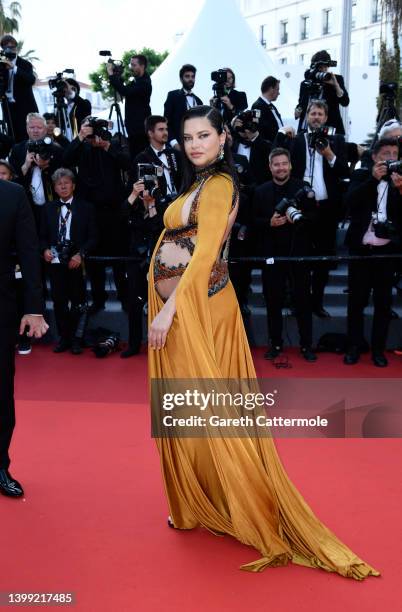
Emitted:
pixel 263 40
pixel 302 58
pixel 305 27
pixel 375 11
pixel 326 21
pixel 374 51
pixel 284 32
pixel 354 9
pixel 283 60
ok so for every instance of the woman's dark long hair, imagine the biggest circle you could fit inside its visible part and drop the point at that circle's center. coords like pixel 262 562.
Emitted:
pixel 221 166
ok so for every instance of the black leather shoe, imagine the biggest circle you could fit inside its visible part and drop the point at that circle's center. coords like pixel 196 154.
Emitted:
pixel 129 352
pixel 9 486
pixel 273 352
pixel 352 356
pixel 308 354
pixel 76 348
pixel 62 346
pixel 321 313
pixel 379 360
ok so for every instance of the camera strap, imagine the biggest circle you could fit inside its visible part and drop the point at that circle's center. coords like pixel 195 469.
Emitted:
pixel 63 225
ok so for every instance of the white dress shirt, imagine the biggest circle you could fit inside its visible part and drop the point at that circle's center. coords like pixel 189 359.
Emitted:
pixel 37 189
pixel 10 88
pixel 273 111
pixel 314 172
pixel 382 196
pixel 166 171
pixel 63 212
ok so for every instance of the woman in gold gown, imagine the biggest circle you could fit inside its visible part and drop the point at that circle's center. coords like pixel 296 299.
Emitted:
pixel 229 485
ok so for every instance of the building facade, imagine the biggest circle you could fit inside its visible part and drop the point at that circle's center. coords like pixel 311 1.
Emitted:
pixel 292 31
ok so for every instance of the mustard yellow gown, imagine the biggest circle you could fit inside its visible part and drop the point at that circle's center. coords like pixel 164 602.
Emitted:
pixel 235 486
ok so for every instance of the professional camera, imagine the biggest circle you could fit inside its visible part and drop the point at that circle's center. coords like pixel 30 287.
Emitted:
pixel 317 139
pixel 107 345
pixel 317 76
pixel 41 147
pixel 149 173
pixel 63 250
pixel 219 77
pixel 118 66
pixel 292 207
pixel 392 166
pixel 250 120
pixel 385 229
pixel 6 55
pixel 388 90
pixel 100 127
pixel 58 84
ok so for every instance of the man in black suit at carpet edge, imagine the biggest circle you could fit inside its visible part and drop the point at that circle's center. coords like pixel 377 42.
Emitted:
pixel 332 91
pixel 375 206
pixel 19 94
pixel 270 118
pixel 144 215
pixel 17 234
pixel 137 95
pixel 68 234
pixel 179 101
pixel 233 102
pixel 321 161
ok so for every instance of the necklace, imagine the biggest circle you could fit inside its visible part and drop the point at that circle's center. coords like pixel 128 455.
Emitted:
pixel 203 173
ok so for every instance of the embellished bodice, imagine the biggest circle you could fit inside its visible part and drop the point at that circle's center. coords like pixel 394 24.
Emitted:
pixel 178 244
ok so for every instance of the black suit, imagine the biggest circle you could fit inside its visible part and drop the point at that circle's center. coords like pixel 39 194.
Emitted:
pixel 268 125
pixel 259 158
pixel 239 101
pixel 330 97
pixel 81 109
pixel 376 275
pixel 329 211
pixel 137 108
pixel 174 109
pixel 17 233
pixel 148 156
pixel 17 160
pixel 285 240
pixel 25 103
pixel 68 285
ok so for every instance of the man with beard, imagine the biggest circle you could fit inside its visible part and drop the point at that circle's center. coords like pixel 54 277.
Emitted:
pixel 179 101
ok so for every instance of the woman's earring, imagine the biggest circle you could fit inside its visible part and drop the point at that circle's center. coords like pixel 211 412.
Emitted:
pixel 221 152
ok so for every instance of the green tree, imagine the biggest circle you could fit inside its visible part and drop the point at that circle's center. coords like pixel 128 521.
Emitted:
pixel 9 16
pixel 100 80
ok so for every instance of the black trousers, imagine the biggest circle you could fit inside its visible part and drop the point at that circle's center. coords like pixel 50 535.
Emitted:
pixel 364 276
pixel 7 409
pixel 274 288
pixel 324 237
pixel 137 296
pixel 69 296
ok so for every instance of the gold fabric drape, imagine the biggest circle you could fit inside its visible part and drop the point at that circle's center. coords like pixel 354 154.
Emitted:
pixel 235 486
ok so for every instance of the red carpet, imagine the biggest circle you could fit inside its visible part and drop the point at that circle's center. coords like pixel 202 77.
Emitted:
pixel 94 517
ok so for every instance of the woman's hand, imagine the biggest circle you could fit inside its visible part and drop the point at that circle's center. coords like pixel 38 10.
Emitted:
pixel 159 329
pixel 138 188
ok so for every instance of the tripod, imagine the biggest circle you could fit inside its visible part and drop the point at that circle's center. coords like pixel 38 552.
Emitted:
pixel 121 130
pixel 387 112
pixel 6 123
pixel 62 117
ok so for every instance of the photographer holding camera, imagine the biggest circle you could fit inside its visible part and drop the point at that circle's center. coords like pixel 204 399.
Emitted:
pixel 16 81
pixel 137 94
pixel 100 163
pixel 78 108
pixel 270 119
pixel 319 158
pixel 375 206
pixel 321 84
pixel 67 235
pixel 227 99
pixel 283 211
pixel 35 160
pixel 178 101
pixel 248 142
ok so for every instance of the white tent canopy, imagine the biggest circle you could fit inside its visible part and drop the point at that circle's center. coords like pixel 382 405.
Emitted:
pixel 220 37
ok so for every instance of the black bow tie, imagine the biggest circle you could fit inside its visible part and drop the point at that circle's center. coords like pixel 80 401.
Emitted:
pixel 160 153
pixel 187 93
pixel 66 204
pixel 245 143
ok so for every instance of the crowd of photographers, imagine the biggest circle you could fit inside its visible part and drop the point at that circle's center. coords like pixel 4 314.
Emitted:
pixel 101 196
